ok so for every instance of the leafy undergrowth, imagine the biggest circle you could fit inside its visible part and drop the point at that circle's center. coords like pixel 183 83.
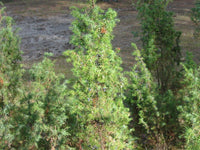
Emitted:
pixel 95 105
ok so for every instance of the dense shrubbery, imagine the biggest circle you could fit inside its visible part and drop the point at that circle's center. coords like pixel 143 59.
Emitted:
pixel 35 114
pixel 158 76
pixel 161 50
pixel 10 77
pixel 102 119
pixel 41 112
pixel 190 110
pixel 10 56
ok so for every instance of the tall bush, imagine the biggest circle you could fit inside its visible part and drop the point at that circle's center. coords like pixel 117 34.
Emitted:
pixel 141 97
pixel 10 76
pixel 157 27
pixel 102 119
pixel 43 109
pixel 10 56
pixel 161 53
pixel 190 109
pixel 151 111
pixel 39 121
pixel 32 116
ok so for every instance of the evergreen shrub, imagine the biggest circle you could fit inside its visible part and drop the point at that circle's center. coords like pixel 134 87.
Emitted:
pixel 190 109
pixel 33 113
pixel 161 55
pixel 161 50
pixel 97 93
pixel 10 77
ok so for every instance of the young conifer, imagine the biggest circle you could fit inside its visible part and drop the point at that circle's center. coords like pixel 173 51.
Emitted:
pixel 10 77
pixel 10 56
pixel 142 97
pixel 190 108
pixel 98 88
pixel 41 119
pixel 33 116
pixel 158 30
pixel 161 53
pixel 142 90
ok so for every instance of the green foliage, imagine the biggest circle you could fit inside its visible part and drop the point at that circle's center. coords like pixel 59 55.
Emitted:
pixel 45 108
pixel 189 62
pixel 195 17
pixel 142 90
pixel 40 119
pixel 141 100
pixel 10 76
pixel 159 79
pixel 34 116
pixel 160 41
pixel 10 56
pixel 97 93
pixel 150 109
pixel 190 110
pixel 45 114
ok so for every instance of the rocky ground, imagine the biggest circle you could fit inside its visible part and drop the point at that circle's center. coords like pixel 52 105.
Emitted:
pixel 39 35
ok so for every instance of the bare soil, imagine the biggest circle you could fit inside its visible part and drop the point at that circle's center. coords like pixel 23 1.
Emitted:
pixel 45 26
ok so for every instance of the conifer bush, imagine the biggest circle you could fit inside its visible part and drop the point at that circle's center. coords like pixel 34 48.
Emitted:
pixel 144 100
pixel 32 116
pixel 39 121
pixel 41 112
pixel 160 41
pixel 161 55
pixel 141 97
pixel 10 56
pixel 43 115
pixel 97 93
pixel 190 109
pixel 10 77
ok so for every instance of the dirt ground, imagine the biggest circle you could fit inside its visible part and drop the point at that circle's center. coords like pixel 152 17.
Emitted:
pixel 45 27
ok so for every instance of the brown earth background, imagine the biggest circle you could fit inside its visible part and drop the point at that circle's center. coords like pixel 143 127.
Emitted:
pixel 44 27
